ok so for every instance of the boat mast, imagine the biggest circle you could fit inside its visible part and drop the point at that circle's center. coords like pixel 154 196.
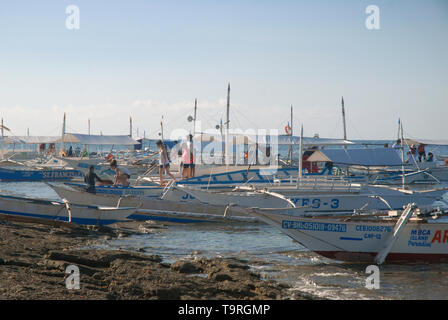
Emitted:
pixel 63 132
pixel 161 129
pixel 89 126
pixel 194 119
pixel 402 156
pixel 227 128
pixel 343 121
pixel 291 134
pixel 299 177
pixel 130 127
pixel 2 151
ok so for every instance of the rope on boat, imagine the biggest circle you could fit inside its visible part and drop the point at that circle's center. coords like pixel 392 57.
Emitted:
pixel 382 200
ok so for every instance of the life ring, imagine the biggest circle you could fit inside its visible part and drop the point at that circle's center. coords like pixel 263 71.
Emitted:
pixel 246 155
pixel 288 129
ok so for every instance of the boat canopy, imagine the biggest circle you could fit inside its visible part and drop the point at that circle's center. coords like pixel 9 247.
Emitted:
pixel 270 139
pixel 434 142
pixel 361 157
pixel 308 141
pixel 86 139
pixel 32 139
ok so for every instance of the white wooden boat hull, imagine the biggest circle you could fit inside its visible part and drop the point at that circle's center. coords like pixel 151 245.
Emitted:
pixel 360 241
pixel 57 211
pixel 153 208
pixel 312 202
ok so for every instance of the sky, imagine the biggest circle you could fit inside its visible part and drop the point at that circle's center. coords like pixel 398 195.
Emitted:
pixel 147 59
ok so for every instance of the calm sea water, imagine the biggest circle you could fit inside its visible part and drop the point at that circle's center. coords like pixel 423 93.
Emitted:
pixel 274 255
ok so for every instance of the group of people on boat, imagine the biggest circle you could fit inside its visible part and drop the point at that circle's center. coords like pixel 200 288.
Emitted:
pixel 187 155
pixel 415 153
pixel 122 174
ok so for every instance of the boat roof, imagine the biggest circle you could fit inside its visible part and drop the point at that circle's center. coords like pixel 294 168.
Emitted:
pixel 31 139
pixel 87 139
pixel 361 157
pixel 436 142
pixel 272 139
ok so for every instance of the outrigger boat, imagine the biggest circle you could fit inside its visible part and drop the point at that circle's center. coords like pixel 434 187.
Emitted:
pixel 152 206
pixel 40 209
pixel 312 196
pixel 9 174
pixel 410 235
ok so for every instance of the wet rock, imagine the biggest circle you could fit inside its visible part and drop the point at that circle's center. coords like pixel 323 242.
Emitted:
pixel 33 262
pixel 185 267
pixel 168 293
pixel 222 277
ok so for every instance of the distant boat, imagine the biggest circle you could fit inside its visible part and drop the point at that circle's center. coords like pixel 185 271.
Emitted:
pixel 46 210
pixel 9 175
pixel 390 237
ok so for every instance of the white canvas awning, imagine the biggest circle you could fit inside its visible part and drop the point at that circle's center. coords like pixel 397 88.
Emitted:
pixel 31 139
pixel 435 142
pixel 98 139
pixel 361 157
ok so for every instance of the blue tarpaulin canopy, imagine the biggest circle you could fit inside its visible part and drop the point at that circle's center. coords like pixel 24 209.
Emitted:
pixel 361 157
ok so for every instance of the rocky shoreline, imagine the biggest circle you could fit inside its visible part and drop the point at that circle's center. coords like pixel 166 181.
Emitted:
pixel 34 258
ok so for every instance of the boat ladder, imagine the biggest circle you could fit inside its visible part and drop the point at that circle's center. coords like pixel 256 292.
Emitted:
pixel 399 226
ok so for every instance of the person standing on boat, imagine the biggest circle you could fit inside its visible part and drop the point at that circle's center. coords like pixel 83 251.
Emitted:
pixel 164 161
pixel 90 178
pixel 122 174
pixel 70 152
pixel 421 152
pixel 397 145
pixel 188 158
pixel 430 157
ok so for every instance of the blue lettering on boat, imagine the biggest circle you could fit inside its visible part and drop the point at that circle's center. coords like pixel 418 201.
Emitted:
pixel 314 226
pixel 373 228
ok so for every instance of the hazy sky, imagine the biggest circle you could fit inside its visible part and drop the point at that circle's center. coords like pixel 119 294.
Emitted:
pixel 149 58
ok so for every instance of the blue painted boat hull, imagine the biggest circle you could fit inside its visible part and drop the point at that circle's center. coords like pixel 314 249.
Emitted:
pixel 39 175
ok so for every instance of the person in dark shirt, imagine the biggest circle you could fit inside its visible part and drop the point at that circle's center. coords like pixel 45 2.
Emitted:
pixel 89 179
